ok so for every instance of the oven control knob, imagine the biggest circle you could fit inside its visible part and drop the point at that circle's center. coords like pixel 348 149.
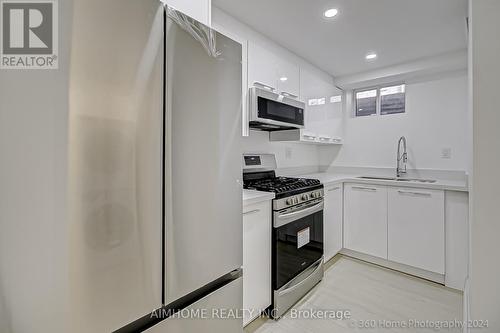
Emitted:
pixel 318 194
pixel 305 197
pixel 289 201
pixel 295 200
pixel 313 195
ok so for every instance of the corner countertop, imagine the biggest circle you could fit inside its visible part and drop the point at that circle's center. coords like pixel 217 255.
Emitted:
pixel 441 184
pixel 251 197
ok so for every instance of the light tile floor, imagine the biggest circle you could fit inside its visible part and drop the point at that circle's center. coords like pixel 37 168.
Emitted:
pixel 383 297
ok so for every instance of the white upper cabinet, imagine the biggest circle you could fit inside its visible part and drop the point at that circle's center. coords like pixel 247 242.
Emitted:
pixel 323 114
pixel 200 10
pixel 288 78
pixel 268 69
pixel 416 228
pixel 261 67
pixel 324 105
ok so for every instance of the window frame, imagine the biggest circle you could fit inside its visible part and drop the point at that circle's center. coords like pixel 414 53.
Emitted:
pixel 378 106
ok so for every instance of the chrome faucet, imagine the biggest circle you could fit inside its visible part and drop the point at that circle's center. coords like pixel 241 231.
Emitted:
pixel 401 157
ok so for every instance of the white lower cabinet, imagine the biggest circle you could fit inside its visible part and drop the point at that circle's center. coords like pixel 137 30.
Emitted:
pixel 365 219
pixel 416 228
pixel 457 238
pixel 332 220
pixel 257 232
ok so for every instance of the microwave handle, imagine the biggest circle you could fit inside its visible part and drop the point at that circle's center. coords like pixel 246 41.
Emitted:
pixel 266 86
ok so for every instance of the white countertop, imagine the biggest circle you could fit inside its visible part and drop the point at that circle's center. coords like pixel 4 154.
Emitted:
pixel 251 197
pixel 440 184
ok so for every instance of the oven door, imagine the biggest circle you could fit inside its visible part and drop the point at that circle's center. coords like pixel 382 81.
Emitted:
pixel 275 111
pixel 297 241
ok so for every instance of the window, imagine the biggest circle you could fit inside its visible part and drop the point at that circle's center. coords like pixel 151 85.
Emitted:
pixel 392 99
pixel 336 99
pixel 323 100
pixel 366 103
pixel 381 100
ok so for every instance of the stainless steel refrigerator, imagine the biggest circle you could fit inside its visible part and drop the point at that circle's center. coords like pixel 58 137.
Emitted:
pixel 154 170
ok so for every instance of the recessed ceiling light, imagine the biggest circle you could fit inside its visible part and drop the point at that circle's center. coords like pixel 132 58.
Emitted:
pixel 331 12
pixel 283 79
pixel 371 56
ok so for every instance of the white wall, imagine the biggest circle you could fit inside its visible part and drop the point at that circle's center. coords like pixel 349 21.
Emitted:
pixel 288 155
pixel 485 194
pixel 435 118
pixel 434 66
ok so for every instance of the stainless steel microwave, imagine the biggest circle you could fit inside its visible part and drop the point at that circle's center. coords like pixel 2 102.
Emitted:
pixel 270 111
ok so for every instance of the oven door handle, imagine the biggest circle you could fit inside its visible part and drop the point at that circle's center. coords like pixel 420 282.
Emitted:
pixel 311 271
pixel 282 219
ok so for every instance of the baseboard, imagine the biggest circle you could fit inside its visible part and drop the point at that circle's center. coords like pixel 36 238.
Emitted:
pixel 421 273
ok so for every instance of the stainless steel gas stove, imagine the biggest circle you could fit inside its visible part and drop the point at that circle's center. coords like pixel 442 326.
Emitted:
pixel 297 255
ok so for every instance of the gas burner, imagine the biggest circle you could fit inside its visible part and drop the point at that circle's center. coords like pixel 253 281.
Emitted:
pixel 282 186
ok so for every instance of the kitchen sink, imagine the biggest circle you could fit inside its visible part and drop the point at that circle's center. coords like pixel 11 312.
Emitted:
pixel 419 180
pixel 378 178
pixel 416 180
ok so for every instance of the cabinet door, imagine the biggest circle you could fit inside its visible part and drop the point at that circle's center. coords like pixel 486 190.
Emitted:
pixel 324 115
pixel 256 259
pixel 457 238
pixel 333 220
pixel 288 78
pixel 365 219
pixel 261 66
pixel 200 10
pixel 416 228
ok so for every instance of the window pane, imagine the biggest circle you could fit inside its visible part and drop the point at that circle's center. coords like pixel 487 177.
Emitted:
pixel 312 101
pixel 392 99
pixel 366 103
pixel 336 99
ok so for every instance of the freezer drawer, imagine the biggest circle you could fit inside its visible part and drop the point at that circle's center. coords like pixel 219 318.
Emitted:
pixel 210 314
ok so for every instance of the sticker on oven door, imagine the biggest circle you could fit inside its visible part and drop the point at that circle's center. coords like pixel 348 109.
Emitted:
pixel 303 237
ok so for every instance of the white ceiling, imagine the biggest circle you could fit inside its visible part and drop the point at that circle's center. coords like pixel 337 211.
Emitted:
pixel 398 31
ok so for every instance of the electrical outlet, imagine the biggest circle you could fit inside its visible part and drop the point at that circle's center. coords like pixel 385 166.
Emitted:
pixel 288 153
pixel 446 153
